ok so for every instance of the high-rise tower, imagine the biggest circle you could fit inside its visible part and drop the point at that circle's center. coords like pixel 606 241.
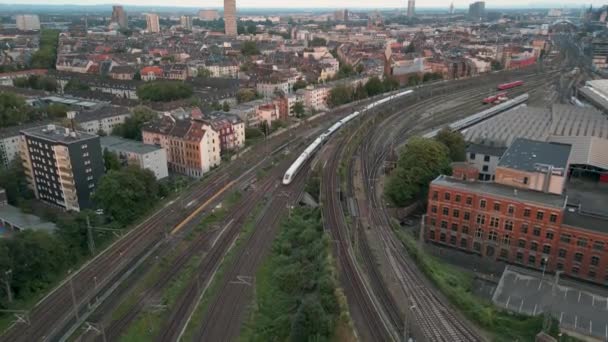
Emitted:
pixel 152 23
pixel 452 8
pixel 230 17
pixel 119 16
pixel 411 8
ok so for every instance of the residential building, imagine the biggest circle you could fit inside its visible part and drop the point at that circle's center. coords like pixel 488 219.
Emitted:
pixel 28 22
pixel 62 166
pixel 477 10
pixel 315 97
pixel 186 22
pixel 193 148
pixel 122 72
pixel 341 15
pixel 119 16
pixel 132 152
pixel 152 23
pixel 230 127
pixel 268 113
pixel 484 157
pixel 411 8
pixel 230 18
pixel 268 88
pixel 208 14
pixel 151 73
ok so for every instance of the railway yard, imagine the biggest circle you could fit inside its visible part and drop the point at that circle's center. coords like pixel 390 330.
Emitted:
pixel 125 286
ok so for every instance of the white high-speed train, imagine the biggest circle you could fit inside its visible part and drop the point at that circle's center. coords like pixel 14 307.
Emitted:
pixel 293 170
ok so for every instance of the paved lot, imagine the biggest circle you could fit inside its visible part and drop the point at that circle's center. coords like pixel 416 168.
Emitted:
pixel 584 310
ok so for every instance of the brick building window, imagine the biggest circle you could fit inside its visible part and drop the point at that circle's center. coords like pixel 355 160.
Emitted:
pixel 463 243
pixel 578 257
pixel 433 222
pixel 527 212
pixel 598 245
pixel 524 228
pixel 508 225
pixel 553 218
pixel 540 215
pixel 496 206
pixel 467 216
pixel 581 242
pixel 432 235
pixel 457 199
pixel 560 266
pixel 481 219
pixel 534 246
pixel 442 237
pixel 494 222
pixel 562 253
pixel 469 200
pixel 531 260
pixel 546 249
pixel 549 235
pixel 506 240
pixel 455 213
pixel 521 243
pixel 434 209
pixel 536 231
pixel 511 210
pixel 479 233
pixel 493 236
pixel 565 238
pixel 446 211
pixel 595 260
pixel 482 204
pixel 454 227
pixel 504 253
pixel 444 224
pixel 453 240
pixel 435 195
pixel 477 246
pixel 575 270
pixel 465 229
pixel 446 196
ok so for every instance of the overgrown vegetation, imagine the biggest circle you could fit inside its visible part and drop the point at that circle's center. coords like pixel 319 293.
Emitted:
pixel 164 91
pixel 296 294
pixel 36 82
pixel 342 94
pixel 458 288
pixel 46 55
pixel 131 128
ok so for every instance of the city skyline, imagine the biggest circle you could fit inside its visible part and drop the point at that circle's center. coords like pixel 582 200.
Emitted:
pixel 459 4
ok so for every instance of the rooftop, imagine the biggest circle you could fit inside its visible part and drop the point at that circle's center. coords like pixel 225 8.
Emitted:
pixel 485 149
pixel 57 134
pixel 16 217
pixel 495 189
pixel 125 145
pixel 527 155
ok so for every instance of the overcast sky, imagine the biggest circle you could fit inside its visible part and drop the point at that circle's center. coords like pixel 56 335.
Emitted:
pixel 321 3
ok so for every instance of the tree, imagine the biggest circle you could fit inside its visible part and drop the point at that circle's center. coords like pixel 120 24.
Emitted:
pixel 374 86
pixel 413 80
pixel 455 143
pixel 318 41
pixel 360 92
pixel 360 68
pixel 131 128
pixel 300 84
pixel 13 110
pixel 111 160
pixel 137 76
pixel 250 48
pixel 57 110
pixel 226 106
pixel 36 82
pixel 245 95
pixel 45 57
pixel 420 161
pixel 203 72
pixel 13 180
pixel 76 85
pixel 410 48
pixel 340 95
pixel 126 194
pixel 164 91
pixel 390 83
pixel 346 70
pixel 252 28
pixel 496 65
pixel 298 109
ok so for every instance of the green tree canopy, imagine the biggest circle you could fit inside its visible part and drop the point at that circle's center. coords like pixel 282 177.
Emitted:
pixel 374 86
pixel 164 91
pixel 245 95
pixel 250 48
pixel 226 106
pixel 340 95
pixel 36 82
pixel 203 72
pixel 298 109
pixel 111 160
pixel 300 84
pixel 455 143
pixel 131 128
pixel 420 161
pixel 76 85
pixel 46 55
pixel 126 194
pixel 318 41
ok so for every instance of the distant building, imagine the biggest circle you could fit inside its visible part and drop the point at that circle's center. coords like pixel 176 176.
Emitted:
pixel 341 15
pixel 62 167
pixel 485 158
pixel 132 152
pixel 28 22
pixel 230 18
pixel 152 23
pixel 477 10
pixel 208 14
pixel 452 7
pixel 411 8
pixel 186 22
pixel 119 16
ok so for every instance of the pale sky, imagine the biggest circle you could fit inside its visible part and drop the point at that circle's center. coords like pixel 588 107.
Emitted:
pixel 322 3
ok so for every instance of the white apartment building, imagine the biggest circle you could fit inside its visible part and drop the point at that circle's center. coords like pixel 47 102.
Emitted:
pixel 132 152
pixel 152 23
pixel 28 22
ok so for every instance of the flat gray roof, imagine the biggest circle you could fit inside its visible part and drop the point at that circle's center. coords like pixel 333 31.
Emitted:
pixel 16 217
pixel 57 134
pixel 488 150
pixel 525 155
pixel 494 189
pixel 125 145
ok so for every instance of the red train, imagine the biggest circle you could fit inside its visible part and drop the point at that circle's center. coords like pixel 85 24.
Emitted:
pixel 494 98
pixel 510 85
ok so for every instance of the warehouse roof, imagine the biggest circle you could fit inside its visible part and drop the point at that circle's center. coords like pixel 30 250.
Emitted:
pixel 527 155
pixel 118 144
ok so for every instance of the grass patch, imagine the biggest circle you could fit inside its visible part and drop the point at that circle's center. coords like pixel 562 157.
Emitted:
pixel 216 282
pixel 297 297
pixel 457 287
